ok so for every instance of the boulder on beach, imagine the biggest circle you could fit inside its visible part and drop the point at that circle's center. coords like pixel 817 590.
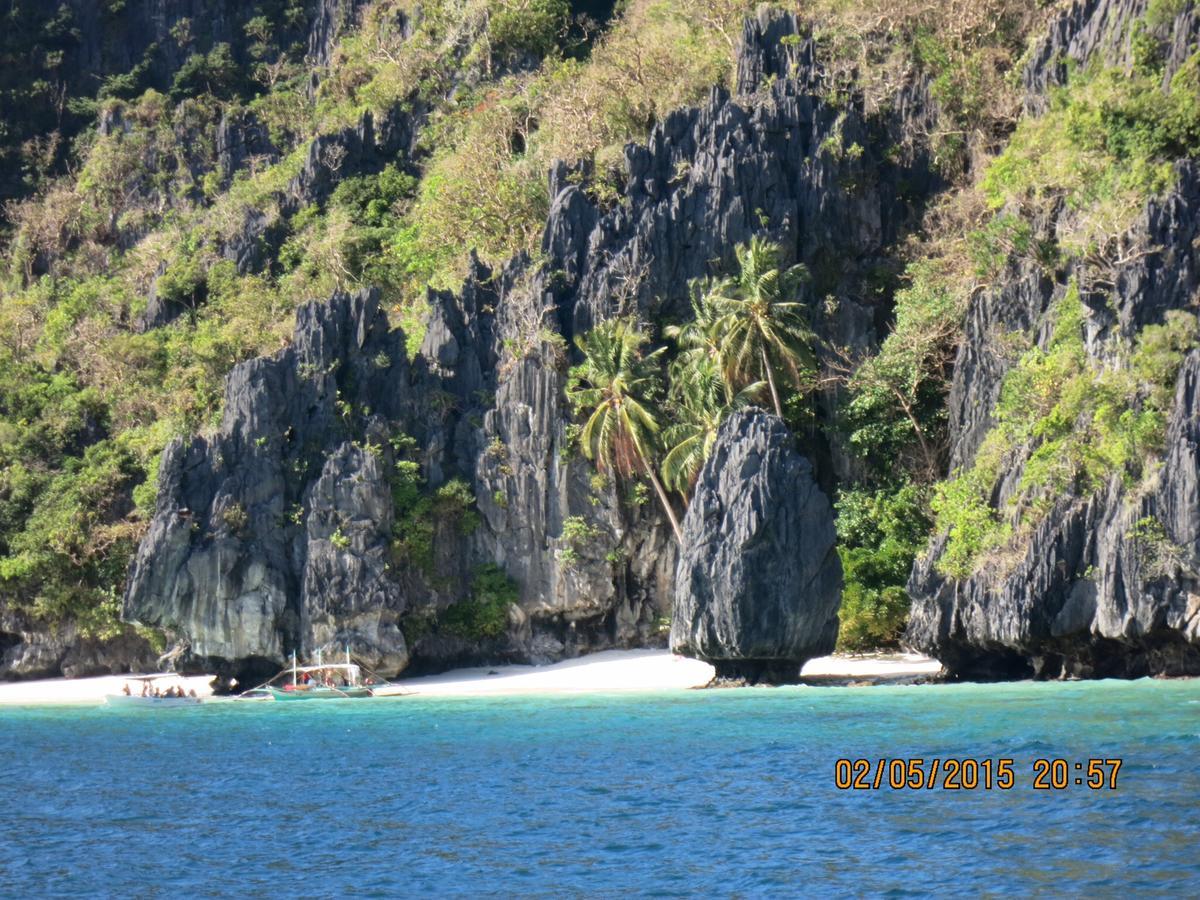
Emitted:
pixel 759 581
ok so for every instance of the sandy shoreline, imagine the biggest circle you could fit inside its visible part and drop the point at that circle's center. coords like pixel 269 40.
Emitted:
pixel 56 691
pixel 609 671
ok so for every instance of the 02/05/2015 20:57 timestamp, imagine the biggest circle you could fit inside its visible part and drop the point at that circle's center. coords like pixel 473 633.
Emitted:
pixel 967 774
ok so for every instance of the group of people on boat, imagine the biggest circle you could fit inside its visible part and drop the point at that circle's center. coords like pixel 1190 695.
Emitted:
pixel 175 692
pixel 325 679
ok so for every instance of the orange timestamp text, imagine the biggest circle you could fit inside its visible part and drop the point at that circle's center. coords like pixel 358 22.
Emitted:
pixel 968 774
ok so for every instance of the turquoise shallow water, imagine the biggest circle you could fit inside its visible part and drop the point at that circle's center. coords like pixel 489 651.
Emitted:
pixel 725 792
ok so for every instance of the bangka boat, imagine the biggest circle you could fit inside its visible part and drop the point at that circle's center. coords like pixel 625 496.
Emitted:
pixel 322 681
pixel 156 691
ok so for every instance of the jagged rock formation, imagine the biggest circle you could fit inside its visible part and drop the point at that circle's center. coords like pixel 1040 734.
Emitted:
pixel 29 650
pixel 1094 593
pixel 1091 595
pixel 710 178
pixel 1104 31
pixel 484 399
pixel 241 136
pixel 759 581
pixel 228 562
pixel 348 596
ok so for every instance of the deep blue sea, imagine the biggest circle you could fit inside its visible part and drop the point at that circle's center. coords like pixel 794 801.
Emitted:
pixel 702 792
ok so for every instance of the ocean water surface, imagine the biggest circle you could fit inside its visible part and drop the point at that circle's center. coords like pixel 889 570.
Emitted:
pixel 710 792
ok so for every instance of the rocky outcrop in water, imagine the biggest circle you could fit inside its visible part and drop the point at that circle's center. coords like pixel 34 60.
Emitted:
pixel 759 581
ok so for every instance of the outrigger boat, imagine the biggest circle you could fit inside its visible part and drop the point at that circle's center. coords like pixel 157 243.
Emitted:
pixel 157 691
pixel 323 681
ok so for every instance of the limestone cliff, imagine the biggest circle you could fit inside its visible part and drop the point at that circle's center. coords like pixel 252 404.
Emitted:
pixel 428 507
pixel 1107 583
pixel 239 557
pixel 484 399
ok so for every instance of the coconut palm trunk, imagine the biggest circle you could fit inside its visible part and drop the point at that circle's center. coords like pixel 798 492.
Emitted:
pixel 771 381
pixel 664 500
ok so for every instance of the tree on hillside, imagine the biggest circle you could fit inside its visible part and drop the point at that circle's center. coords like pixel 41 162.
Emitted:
pixel 762 328
pixel 896 412
pixel 614 387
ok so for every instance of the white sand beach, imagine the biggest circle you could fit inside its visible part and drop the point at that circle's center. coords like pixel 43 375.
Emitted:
pixel 642 670
pixel 870 668
pixel 609 671
pixel 53 691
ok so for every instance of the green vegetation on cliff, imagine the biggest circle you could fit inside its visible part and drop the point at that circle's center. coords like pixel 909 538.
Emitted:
pixel 1077 423
pixel 1108 142
pixel 88 399
pixel 173 188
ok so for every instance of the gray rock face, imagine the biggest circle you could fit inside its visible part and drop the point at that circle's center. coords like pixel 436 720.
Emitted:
pixel 349 596
pixel 365 148
pixel 759 581
pixel 29 650
pixel 779 162
pixel 1087 29
pixel 239 560
pixel 331 18
pixel 507 431
pixel 1108 584
pixel 485 399
pixel 241 137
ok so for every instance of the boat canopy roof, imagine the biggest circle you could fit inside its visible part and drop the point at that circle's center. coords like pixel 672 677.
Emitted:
pixel 154 677
pixel 352 667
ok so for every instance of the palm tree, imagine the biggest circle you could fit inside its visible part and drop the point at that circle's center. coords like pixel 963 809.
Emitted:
pixel 762 329
pixel 698 340
pixel 702 400
pixel 614 386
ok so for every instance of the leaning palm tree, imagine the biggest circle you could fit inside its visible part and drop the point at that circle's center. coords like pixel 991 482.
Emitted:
pixel 613 387
pixel 702 398
pixel 762 327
